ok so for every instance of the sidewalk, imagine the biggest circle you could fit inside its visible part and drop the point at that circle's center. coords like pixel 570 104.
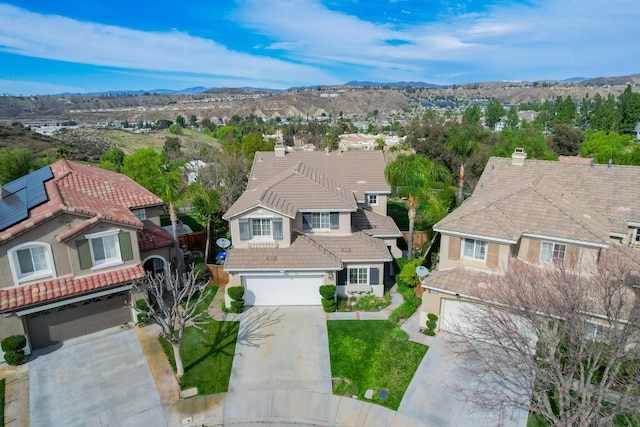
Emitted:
pixel 161 370
pixel 16 395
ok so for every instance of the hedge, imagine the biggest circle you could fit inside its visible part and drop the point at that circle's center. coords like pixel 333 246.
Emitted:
pixel 328 291
pixel 236 293
pixel 13 343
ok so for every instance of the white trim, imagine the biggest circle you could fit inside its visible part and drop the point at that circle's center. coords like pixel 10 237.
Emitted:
pixel 620 235
pixel 72 300
pixel 633 224
pixel 358 267
pixel 258 270
pixel 14 263
pixel 367 260
pixel 563 240
pixel 326 210
pixel 552 261
pixel 475 236
pixel 107 262
pixel 475 244
pixel 101 234
pixel 367 195
pixel 230 218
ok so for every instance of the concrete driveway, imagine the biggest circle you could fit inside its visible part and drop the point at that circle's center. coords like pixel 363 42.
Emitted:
pixel 431 396
pixel 282 348
pixel 100 379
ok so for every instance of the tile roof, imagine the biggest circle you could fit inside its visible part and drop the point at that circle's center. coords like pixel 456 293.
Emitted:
pixel 303 254
pixel 357 246
pixel 374 224
pixel 151 238
pixel 461 280
pixel 354 172
pixel 87 191
pixel 564 200
pixel 50 290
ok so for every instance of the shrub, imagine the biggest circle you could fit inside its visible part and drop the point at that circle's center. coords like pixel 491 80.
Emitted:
pixel 142 308
pixel 236 293
pixel 13 343
pixel 408 307
pixel 14 357
pixel 200 270
pixel 431 324
pixel 329 308
pixel 328 291
pixel 430 332
pixel 432 316
pixel 237 306
pixel 408 274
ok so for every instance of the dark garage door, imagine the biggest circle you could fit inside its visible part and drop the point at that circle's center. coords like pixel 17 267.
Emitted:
pixel 73 320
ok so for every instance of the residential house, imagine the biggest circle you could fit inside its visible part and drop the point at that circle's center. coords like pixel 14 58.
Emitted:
pixel 308 219
pixel 73 238
pixel 541 212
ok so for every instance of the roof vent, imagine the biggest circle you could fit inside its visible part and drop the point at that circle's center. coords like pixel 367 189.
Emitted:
pixel 518 157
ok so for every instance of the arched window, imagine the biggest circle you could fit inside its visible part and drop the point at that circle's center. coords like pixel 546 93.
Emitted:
pixel 31 261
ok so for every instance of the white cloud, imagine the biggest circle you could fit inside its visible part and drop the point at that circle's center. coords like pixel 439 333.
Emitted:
pixel 59 38
pixel 24 87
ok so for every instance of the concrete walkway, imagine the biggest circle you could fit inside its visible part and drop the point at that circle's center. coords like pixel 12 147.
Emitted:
pixel 161 369
pixel 16 395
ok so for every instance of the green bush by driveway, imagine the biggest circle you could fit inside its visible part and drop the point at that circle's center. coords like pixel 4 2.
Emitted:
pixel 372 354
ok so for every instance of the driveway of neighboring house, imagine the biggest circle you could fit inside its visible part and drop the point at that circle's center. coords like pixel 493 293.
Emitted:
pixel 99 379
pixel 431 395
pixel 282 348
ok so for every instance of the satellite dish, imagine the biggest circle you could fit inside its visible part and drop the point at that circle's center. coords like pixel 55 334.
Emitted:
pixel 223 243
pixel 422 271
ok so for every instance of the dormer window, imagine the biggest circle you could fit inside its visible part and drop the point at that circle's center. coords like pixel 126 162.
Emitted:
pixel 141 214
pixel 372 199
pixel 475 249
pixel 260 228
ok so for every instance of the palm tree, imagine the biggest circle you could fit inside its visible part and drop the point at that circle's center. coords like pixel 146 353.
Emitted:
pixel 413 176
pixel 463 143
pixel 206 208
pixel 168 184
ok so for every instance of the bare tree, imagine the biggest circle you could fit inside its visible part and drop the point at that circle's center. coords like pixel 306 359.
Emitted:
pixel 561 343
pixel 174 307
pixel 226 174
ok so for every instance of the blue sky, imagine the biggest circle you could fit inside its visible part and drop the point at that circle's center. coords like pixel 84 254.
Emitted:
pixel 49 47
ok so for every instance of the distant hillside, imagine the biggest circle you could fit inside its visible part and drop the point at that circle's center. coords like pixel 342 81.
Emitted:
pixel 392 84
pixel 190 90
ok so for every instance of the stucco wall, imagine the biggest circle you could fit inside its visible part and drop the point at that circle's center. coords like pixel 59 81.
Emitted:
pixel 344 219
pixel 234 227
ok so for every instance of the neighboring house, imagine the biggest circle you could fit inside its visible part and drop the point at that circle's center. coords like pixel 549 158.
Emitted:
pixel 541 212
pixel 308 219
pixel 73 238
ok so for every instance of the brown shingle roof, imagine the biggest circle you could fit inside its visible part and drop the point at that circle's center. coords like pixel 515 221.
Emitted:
pixel 538 207
pixel 49 290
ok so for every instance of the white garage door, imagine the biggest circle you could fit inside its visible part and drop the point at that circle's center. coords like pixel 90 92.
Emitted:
pixel 282 290
pixel 459 317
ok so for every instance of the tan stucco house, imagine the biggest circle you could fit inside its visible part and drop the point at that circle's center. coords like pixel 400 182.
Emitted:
pixel 540 212
pixel 73 238
pixel 308 219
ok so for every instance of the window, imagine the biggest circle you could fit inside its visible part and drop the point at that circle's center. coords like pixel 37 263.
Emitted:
pixel 359 276
pixel 552 253
pixel 475 249
pixel 321 221
pixel 260 228
pixel 30 261
pixel 141 214
pixel 105 249
pixel 596 332
pixel 372 199
pixel 636 236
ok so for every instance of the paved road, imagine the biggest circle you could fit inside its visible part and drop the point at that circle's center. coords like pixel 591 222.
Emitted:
pixel 431 395
pixel 100 379
pixel 282 348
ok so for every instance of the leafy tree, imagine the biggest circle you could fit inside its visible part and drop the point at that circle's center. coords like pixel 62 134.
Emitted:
pixel 603 146
pixel 193 121
pixel 112 160
pixel 566 140
pixel 176 129
pixel 546 356
pixel 14 164
pixel 513 121
pixel 472 115
pixel 163 124
pixel 629 109
pixel 606 117
pixel 206 123
pixel 206 207
pixel 171 149
pixel 143 167
pixel 255 142
pixel 565 111
pixel 175 309
pixel 228 135
pixel 528 138
pixel 414 176
pixel 180 120
pixel 493 114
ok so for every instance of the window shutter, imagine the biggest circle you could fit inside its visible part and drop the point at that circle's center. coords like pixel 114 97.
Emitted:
pixel 306 221
pixel 277 229
pixel 374 276
pixel 334 218
pixel 572 255
pixel 454 247
pixel 342 277
pixel 244 229
pixel 533 254
pixel 492 255
pixel 126 251
pixel 84 254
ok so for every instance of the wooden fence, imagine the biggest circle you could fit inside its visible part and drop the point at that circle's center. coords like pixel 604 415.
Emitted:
pixel 219 277
pixel 420 238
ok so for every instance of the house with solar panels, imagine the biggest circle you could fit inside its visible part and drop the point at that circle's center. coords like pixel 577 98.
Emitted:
pixel 73 239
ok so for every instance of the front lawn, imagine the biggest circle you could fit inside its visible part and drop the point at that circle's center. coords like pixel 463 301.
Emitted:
pixel 207 355
pixel 372 354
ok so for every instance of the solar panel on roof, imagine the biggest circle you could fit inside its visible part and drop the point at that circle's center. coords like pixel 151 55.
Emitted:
pixel 23 194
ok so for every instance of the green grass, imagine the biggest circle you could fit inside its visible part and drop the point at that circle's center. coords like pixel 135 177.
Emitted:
pixel 372 354
pixel 397 210
pixel 207 355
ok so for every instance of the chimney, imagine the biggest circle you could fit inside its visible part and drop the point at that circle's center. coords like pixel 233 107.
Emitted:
pixel 518 157
pixel 279 149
